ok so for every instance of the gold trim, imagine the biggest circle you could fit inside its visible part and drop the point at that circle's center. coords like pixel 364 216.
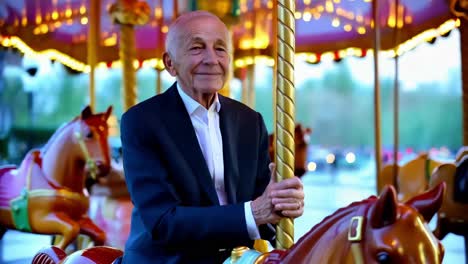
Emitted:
pixel 62 193
pixel 358 236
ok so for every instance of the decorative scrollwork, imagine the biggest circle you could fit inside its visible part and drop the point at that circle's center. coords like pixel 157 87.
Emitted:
pixel 130 12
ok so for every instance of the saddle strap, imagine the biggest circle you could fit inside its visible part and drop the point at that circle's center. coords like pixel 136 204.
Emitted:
pixel 19 212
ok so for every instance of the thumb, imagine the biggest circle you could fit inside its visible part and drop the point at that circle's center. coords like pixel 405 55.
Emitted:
pixel 272 167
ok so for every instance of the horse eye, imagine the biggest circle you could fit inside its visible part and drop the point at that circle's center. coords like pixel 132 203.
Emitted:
pixel 383 257
pixel 89 135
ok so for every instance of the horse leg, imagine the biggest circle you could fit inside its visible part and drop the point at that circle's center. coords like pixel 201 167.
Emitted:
pixel 89 228
pixel 56 223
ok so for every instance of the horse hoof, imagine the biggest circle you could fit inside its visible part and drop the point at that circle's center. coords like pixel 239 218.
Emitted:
pixel 50 255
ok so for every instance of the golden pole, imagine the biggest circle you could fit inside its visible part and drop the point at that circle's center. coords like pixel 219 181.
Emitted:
pixel 226 90
pixel 245 87
pixel 128 13
pixel 158 81
pixel 274 44
pixel 378 160
pixel 127 56
pixel 93 43
pixel 464 69
pixel 396 93
pixel 251 85
pixel 285 110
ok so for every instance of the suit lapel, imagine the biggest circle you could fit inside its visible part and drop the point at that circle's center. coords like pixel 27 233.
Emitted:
pixel 228 121
pixel 180 126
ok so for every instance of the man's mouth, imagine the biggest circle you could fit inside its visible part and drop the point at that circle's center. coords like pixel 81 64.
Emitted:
pixel 208 73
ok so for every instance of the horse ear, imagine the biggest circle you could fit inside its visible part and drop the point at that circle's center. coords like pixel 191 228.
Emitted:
pixel 428 203
pixel 108 112
pixel 384 210
pixel 86 112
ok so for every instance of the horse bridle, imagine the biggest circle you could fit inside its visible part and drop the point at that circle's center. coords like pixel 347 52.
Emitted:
pixel 90 163
pixel 355 238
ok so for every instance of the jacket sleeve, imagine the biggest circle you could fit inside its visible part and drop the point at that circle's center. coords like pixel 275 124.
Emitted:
pixel 267 232
pixel 157 204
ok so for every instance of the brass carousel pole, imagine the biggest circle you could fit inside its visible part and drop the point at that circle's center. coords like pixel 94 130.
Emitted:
pixel 129 13
pixel 396 94
pixel 93 43
pixel 464 68
pixel 285 110
pixel 274 45
pixel 460 9
pixel 159 48
pixel 378 151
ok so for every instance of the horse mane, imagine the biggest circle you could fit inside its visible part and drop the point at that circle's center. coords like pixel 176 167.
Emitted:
pixel 318 230
pixel 56 134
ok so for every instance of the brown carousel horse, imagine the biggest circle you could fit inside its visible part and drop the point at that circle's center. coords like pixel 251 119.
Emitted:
pixel 453 214
pixel 46 193
pixel 301 142
pixel 375 230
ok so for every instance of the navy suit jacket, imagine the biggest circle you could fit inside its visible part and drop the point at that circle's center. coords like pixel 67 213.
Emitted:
pixel 177 217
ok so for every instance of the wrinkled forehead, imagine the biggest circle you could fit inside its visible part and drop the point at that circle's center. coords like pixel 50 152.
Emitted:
pixel 203 27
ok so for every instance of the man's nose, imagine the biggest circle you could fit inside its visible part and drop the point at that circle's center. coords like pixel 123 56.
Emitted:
pixel 210 56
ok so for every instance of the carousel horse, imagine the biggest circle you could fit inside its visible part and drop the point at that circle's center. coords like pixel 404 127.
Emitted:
pixel 412 176
pixel 453 214
pixel 301 142
pixel 46 193
pixel 375 230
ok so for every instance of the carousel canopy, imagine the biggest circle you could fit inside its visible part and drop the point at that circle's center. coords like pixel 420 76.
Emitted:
pixel 60 28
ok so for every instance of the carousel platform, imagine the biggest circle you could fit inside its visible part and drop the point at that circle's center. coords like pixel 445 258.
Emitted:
pixel 325 191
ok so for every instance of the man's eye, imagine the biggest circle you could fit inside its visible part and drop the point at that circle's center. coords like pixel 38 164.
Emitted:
pixel 196 48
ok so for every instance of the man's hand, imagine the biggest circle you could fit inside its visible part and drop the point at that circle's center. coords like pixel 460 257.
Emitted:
pixel 285 198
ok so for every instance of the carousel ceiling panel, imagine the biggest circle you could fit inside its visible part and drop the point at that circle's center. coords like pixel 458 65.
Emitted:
pixel 321 25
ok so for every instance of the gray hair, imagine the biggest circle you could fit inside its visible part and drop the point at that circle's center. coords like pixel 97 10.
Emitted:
pixel 176 25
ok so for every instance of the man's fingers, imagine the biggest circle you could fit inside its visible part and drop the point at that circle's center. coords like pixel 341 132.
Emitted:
pixel 293 182
pixel 293 206
pixel 293 213
pixel 290 200
pixel 288 193
pixel 272 167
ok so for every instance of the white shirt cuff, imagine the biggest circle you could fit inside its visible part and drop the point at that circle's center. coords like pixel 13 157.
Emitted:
pixel 250 220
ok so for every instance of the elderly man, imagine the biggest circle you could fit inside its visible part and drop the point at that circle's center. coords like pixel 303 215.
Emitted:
pixel 196 163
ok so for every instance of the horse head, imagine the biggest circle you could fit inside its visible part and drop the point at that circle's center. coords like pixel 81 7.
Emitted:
pixel 375 230
pixel 91 136
pixel 398 232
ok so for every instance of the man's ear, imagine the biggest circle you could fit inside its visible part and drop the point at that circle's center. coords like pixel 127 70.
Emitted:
pixel 169 64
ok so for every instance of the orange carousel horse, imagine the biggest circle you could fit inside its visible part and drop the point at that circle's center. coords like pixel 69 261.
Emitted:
pixel 46 193
pixel 375 230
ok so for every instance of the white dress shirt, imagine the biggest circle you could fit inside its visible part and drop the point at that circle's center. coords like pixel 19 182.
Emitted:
pixel 207 128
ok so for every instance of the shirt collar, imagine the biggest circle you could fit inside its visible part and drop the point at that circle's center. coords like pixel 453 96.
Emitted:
pixel 191 105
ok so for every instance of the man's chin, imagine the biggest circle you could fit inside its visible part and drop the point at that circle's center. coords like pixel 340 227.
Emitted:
pixel 211 87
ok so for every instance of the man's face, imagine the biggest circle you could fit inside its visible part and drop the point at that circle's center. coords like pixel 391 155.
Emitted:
pixel 201 60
